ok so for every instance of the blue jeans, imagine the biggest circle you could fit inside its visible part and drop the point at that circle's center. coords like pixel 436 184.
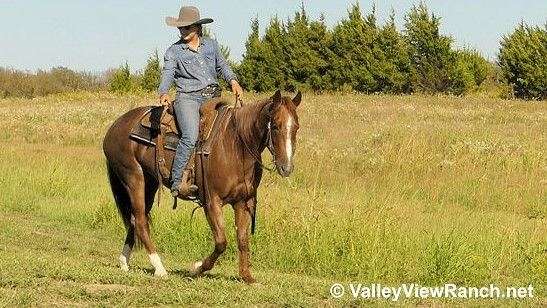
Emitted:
pixel 186 108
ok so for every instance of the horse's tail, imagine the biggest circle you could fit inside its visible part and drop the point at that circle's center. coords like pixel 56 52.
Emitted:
pixel 121 197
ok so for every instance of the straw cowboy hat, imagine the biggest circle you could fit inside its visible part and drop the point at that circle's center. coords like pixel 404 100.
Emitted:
pixel 188 15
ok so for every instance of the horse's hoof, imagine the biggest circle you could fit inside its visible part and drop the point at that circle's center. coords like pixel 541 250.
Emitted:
pixel 123 264
pixel 248 279
pixel 162 273
pixel 195 268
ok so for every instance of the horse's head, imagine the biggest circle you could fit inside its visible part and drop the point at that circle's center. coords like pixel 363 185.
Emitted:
pixel 283 126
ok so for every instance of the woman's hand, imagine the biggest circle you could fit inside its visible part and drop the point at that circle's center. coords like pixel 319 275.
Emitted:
pixel 165 100
pixel 236 88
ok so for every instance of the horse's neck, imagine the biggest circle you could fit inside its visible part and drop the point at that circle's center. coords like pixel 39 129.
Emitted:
pixel 250 122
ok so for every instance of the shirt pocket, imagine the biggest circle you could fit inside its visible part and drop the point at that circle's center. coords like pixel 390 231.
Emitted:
pixel 188 66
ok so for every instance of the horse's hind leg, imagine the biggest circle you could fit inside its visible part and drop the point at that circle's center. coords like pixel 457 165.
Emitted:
pixel 213 213
pixel 151 187
pixel 142 202
pixel 127 248
pixel 121 197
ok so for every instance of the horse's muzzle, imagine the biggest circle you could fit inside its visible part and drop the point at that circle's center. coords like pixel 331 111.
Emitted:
pixel 285 170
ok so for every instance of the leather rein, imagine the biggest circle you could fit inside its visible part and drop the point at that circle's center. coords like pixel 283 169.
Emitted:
pixel 257 156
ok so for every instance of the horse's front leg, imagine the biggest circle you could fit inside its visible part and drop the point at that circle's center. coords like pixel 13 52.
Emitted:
pixel 242 221
pixel 213 213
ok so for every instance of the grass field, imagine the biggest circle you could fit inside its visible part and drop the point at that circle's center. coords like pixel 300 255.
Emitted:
pixel 387 189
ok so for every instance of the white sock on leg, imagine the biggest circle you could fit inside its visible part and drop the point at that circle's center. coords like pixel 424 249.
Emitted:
pixel 124 258
pixel 158 266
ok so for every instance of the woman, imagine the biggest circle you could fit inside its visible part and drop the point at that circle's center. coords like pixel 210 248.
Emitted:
pixel 193 64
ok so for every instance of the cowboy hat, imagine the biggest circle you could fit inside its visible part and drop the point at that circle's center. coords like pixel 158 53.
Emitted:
pixel 188 15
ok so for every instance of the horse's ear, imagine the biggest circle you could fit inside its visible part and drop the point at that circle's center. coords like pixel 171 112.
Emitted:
pixel 277 96
pixel 297 99
pixel 276 101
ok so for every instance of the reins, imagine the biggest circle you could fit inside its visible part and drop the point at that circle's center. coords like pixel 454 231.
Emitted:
pixel 256 157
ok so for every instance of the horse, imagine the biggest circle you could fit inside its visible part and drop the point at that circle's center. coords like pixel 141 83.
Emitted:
pixel 233 175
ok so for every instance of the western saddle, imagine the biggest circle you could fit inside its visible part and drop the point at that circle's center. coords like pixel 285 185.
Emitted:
pixel 158 128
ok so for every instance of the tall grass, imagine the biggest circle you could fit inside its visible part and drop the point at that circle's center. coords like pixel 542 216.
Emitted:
pixel 386 189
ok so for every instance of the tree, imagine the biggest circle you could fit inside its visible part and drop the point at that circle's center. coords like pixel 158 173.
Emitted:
pixel 273 46
pixel 152 73
pixel 303 50
pixel 432 60
pixel 120 81
pixel 394 62
pixel 353 58
pixel 523 61
pixel 359 55
pixel 252 71
pixel 320 38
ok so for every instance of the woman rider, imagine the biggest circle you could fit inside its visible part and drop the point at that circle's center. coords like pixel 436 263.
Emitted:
pixel 193 64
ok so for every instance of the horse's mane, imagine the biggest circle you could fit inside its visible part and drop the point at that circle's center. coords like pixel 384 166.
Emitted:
pixel 247 116
pixel 249 112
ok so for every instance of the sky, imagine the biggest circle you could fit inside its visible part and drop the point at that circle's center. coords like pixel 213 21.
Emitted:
pixel 96 35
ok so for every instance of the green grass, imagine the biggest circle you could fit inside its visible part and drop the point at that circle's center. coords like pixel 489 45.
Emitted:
pixel 387 189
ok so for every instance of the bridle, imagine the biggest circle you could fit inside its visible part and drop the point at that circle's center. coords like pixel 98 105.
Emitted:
pixel 269 144
pixel 269 140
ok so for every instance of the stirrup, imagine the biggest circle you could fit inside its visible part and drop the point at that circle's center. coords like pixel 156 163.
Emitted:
pixel 184 192
pixel 185 189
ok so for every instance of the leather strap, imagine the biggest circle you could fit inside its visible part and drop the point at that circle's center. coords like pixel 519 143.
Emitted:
pixel 214 131
pixel 159 128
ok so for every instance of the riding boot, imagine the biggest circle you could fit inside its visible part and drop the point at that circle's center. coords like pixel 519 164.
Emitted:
pixel 186 189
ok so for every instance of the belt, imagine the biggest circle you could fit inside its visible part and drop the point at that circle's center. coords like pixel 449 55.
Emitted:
pixel 213 90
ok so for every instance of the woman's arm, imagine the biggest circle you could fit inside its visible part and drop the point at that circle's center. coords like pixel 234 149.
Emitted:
pixel 224 69
pixel 222 65
pixel 167 75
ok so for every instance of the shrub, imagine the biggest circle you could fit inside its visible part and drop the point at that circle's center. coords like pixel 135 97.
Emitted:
pixel 469 72
pixel 476 63
pixel 15 83
pixel 461 76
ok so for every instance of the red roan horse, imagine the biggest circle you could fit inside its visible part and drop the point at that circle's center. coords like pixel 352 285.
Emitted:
pixel 233 176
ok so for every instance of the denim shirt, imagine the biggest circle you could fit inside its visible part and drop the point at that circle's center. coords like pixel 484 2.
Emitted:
pixel 193 70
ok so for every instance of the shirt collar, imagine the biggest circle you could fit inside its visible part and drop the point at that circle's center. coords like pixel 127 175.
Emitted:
pixel 185 46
